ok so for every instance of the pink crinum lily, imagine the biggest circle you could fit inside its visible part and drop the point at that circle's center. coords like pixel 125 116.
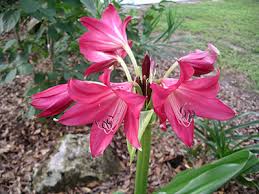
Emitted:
pixel 52 101
pixel 105 39
pixel 102 60
pixel 106 105
pixel 178 101
pixel 202 61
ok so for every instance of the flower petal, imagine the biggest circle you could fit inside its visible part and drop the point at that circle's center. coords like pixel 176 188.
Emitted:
pixel 105 77
pixel 89 92
pixel 82 114
pixel 52 101
pixel 203 106
pixel 133 100
pixel 186 72
pixel 96 41
pixel 103 130
pixel 185 133
pixel 99 140
pixel 124 26
pixel 126 86
pixel 135 103
pixel 159 96
pixel 101 30
pixel 201 61
pixel 131 127
pixel 95 55
pixel 56 107
pixel 51 91
pixel 100 66
pixel 207 86
pixel 110 16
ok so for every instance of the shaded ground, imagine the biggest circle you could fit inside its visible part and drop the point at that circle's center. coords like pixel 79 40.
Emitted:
pixel 26 142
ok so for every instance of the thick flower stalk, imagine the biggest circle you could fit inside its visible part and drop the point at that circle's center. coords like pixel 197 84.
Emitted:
pixel 107 105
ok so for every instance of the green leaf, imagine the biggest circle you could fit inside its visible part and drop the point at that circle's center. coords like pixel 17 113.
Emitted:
pixel 48 13
pixel 52 32
pixel 25 69
pixel 252 148
pixel 29 6
pixel 53 76
pixel 10 76
pixel 39 78
pixel 68 75
pixel 4 68
pixel 8 20
pixel 210 177
pixel 145 119
pixel 243 115
pixel 248 124
pixel 90 6
pixel 9 44
pixel 254 169
pixel 248 182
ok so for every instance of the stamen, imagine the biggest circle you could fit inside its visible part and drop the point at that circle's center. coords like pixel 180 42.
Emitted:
pixel 109 123
pixel 106 125
pixel 183 114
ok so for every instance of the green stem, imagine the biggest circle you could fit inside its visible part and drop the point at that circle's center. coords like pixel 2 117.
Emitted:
pixel 133 60
pixel 143 163
pixel 125 68
pixel 170 70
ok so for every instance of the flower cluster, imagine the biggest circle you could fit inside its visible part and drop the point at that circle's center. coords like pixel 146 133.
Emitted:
pixel 107 105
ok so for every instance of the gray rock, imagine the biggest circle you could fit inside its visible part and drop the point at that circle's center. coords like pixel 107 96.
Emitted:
pixel 71 164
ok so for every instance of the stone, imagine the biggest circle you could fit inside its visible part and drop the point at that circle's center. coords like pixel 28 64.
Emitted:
pixel 71 164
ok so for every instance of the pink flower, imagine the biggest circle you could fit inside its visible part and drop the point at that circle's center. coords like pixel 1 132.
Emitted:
pixel 106 34
pixel 102 60
pixel 51 101
pixel 180 100
pixel 201 61
pixel 105 40
pixel 106 105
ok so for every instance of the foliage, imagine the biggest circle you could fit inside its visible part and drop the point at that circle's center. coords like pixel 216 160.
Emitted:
pixel 224 138
pixel 144 31
pixel 42 29
pixel 210 177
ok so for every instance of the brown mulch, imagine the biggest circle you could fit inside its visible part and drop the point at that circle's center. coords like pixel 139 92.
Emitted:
pixel 24 142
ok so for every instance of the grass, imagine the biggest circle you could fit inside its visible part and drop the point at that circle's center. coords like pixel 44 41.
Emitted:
pixel 231 25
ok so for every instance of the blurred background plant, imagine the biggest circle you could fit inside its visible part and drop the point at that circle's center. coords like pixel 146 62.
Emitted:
pixel 39 38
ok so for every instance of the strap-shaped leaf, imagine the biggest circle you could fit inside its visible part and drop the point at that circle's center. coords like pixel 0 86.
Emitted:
pixel 210 177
